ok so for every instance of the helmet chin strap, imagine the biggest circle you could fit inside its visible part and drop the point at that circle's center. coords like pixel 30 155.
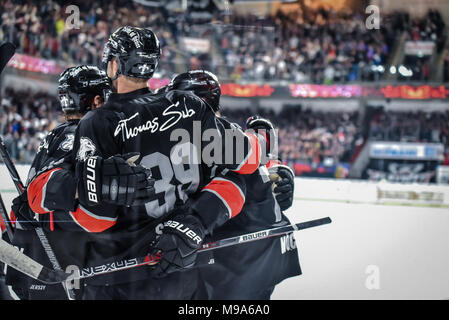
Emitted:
pixel 117 72
pixel 113 88
pixel 115 76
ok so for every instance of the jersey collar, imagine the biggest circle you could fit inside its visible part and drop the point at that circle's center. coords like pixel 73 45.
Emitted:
pixel 129 95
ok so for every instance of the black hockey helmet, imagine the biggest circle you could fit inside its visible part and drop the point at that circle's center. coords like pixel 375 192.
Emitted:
pixel 137 51
pixel 201 82
pixel 79 85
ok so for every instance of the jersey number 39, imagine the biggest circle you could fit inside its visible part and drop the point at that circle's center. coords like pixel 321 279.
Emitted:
pixel 179 177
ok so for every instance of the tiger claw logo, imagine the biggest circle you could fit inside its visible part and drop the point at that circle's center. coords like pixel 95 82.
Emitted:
pixel 87 149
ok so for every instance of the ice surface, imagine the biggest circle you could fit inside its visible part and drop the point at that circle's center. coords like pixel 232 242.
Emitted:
pixel 407 247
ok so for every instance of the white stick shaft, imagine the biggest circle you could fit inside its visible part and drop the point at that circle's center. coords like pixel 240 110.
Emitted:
pixel 12 256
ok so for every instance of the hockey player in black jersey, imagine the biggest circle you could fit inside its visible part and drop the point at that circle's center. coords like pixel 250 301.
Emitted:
pixel 248 271
pixel 172 132
pixel 50 197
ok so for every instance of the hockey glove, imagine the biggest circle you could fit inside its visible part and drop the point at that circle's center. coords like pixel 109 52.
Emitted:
pixel 265 128
pixel 116 180
pixel 283 185
pixel 24 215
pixel 181 237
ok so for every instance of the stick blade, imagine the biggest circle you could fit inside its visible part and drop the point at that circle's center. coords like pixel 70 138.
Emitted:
pixel 7 50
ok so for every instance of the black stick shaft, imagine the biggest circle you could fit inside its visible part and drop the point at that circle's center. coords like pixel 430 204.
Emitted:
pixel 11 255
pixel 268 233
pixel 5 219
pixel 39 231
pixel 11 167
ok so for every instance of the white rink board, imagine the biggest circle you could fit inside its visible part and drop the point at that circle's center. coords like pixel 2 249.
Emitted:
pixel 407 245
pixel 360 191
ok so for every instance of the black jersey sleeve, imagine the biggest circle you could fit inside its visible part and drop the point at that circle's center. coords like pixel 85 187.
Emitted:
pixel 50 183
pixel 228 146
pixel 95 136
pixel 221 199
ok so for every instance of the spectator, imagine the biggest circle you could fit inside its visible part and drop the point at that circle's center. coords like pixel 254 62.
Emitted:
pixel 39 28
pixel 25 119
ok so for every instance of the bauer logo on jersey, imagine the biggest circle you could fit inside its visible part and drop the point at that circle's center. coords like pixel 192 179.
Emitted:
pixel 87 149
pixel 67 144
pixel 91 184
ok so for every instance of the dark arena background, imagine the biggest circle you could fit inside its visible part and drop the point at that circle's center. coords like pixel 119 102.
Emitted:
pixel 359 91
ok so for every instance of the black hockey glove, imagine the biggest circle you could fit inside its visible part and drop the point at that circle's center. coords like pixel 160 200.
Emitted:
pixel 23 213
pixel 283 185
pixel 265 128
pixel 181 237
pixel 116 180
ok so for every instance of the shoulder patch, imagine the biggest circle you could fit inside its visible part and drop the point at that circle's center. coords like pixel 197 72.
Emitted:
pixel 87 149
pixel 67 143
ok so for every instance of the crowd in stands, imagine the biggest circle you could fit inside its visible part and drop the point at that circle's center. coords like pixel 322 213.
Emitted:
pixel 306 45
pixel 52 30
pixel 319 46
pixel 411 127
pixel 431 28
pixel 432 127
pixel 309 137
pixel 25 119
pixel 323 46
pixel 305 137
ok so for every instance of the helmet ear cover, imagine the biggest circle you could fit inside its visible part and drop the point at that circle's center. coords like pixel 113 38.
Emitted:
pixel 138 67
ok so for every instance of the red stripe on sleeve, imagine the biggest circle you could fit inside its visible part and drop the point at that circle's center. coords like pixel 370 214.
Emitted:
pixel 229 193
pixel 36 191
pixel 91 222
pixel 253 161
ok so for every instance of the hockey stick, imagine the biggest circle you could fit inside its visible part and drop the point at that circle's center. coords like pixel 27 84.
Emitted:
pixel 7 50
pixel 39 231
pixel 11 167
pixel 5 220
pixel 19 261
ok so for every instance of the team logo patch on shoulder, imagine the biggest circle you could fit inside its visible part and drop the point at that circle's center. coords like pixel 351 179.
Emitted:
pixel 87 149
pixel 45 143
pixel 67 144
